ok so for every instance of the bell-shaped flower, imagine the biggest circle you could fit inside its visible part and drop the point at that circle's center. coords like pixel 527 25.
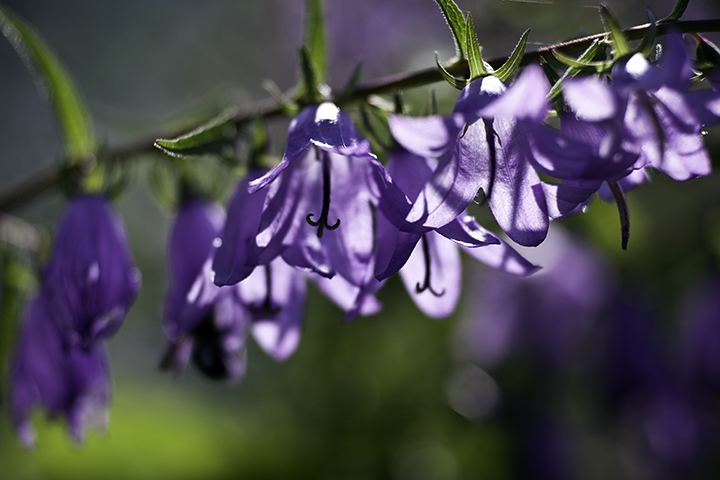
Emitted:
pixel 90 281
pixel 318 209
pixel 485 144
pixel 66 380
pixel 429 262
pixel 202 321
pixel 649 110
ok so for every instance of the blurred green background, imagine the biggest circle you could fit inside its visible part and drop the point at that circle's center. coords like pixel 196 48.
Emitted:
pixel 368 399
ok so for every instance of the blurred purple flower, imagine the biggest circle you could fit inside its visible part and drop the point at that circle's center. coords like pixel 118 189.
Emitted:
pixel 701 337
pixel 68 380
pixel 486 144
pixel 90 281
pixel 543 315
pixel 201 320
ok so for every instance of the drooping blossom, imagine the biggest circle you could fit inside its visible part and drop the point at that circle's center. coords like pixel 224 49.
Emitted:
pixel 318 207
pixel 90 281
pixel 429 262
pixel 484 144
pixel 66 380
pixel 647 110
pixel 201 320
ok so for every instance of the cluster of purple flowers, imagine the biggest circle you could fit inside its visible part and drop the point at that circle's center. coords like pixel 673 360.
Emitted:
pixel 331 213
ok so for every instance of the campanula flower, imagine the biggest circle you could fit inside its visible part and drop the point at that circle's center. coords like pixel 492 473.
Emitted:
pixel 201 320
pixel 90 281
pixel 318 209
pixel 649 110
pixel 68 380
pixel 484 144
pixel 429 262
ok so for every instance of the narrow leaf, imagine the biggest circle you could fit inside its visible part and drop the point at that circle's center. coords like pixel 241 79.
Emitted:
pixel 513 62
pixel 586 56
pixel 579 64
pixel 315 40
pixel 475 61
pixel 216 137
pixel 458 83
pixel 70 111
pixel 648 41
pixel 677 12
pixel 616 35
pixel 456 21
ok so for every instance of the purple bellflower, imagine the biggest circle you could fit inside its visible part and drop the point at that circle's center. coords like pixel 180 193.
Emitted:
pixel 647 110
pixel 484 144
pixel 90 281
pixel 201 320
pixel 429 262
pixel 66 380
pixel 318 210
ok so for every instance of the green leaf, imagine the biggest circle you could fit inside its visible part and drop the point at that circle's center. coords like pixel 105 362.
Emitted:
pixel 513 62
pixel 70 111
pixel 617 37
pixel 315 41
pixel 587 56
pixel 677 12
pixel 216 137
pixel 580 64
pixel 707 54
pixel 163 182
pixel 648 41
pixel 458 83
pixel 456 21
pixel 475 61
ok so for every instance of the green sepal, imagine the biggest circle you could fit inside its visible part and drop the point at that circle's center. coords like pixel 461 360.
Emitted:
pixel 619 42
pixel 456 21
pixel 473 50
pixel 70 111
pixel 587 56
pixel 309 80
pixel 706 53
pixel 315 38
pixel 513 62
pixel 214 138
pixel 458 83
pixel 286 102
pixel 648 41
pixel 349 89
pixel 677 12
pixel 581 64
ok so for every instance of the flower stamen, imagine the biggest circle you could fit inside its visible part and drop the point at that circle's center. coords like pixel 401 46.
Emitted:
pixel 322 222
pixel 426 281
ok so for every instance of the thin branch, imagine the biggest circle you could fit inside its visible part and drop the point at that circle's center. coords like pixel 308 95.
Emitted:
pixel 48 177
